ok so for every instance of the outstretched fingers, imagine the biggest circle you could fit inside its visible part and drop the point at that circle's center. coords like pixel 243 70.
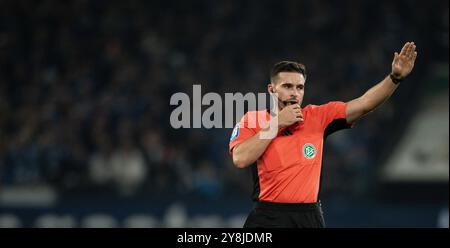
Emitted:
pixel 411 50
pixel 408 51
pixel 404 49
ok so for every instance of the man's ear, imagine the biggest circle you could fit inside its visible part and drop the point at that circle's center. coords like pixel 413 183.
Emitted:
pixel 270 88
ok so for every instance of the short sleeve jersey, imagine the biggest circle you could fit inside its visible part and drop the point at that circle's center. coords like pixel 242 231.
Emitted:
pixel 289 170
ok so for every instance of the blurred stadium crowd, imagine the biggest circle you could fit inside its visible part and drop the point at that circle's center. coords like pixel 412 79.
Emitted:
pixel 85 86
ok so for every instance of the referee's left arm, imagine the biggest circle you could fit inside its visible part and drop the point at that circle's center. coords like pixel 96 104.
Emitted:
pixel 402 65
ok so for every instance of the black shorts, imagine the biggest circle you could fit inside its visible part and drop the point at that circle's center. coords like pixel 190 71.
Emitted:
pixel 293 215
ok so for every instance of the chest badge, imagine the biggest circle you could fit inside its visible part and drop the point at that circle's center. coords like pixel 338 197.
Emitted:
pixel 309 151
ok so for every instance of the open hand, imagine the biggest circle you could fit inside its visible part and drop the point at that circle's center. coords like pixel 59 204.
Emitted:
pixel 403 63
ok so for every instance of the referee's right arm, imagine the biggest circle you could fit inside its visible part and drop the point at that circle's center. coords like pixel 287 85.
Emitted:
pixel 247 152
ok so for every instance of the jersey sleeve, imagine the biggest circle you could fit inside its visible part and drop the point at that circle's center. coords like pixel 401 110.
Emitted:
pixel 333 117
pixel 242 131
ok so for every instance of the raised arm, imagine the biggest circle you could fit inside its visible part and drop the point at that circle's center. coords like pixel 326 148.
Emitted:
pixel 402 65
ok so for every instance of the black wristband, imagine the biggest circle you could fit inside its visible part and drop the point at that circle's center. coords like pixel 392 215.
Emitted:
pixel 394 79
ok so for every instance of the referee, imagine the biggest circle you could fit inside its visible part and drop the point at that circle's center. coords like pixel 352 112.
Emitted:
pixel 288 166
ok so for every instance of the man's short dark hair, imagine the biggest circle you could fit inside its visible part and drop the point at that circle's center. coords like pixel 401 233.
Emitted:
pixel 287 66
